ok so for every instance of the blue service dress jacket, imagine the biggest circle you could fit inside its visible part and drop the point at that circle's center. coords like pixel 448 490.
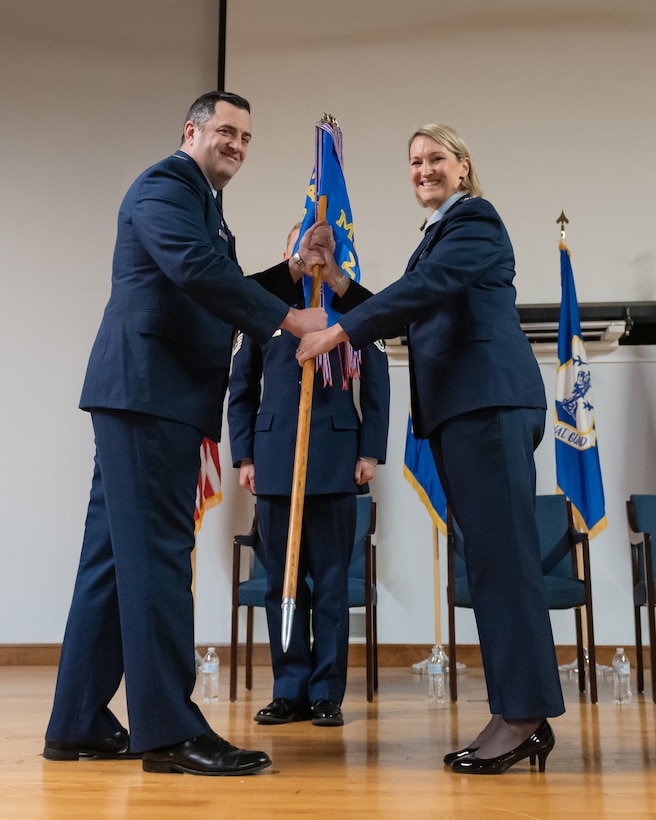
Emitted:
pixel 161 359
pixel 456 298
pixel 263 422
pixel 165 340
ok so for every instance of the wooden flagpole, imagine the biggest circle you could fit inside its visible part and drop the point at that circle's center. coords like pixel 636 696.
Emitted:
pixel 300 471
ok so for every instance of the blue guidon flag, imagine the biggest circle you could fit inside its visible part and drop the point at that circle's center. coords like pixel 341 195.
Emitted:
pixel 578 472
pixel 328 181
pixel 420 470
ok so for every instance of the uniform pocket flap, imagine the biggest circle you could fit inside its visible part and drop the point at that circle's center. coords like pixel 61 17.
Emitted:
pixel 263 422
pixel 345 421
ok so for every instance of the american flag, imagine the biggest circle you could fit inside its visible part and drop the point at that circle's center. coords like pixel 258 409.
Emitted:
pixel 208 492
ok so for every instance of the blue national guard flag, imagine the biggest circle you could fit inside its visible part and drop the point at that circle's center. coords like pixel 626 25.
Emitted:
pixel 419 469
pixel 328 180
pixel 578 473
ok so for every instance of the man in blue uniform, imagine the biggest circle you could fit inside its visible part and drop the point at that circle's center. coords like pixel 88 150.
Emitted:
pixel 154 386
pixel 344 449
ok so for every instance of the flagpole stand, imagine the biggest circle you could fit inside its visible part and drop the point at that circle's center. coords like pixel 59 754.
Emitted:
pixel 572 668
pixel 421 668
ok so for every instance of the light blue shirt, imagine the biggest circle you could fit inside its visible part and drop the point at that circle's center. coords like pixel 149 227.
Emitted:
pixel 444 207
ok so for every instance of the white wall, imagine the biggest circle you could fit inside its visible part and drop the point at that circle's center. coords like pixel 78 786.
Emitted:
pixel 91 93
pixel 558 114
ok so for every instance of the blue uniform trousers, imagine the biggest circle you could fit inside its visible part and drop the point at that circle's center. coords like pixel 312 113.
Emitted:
pixel 132 611
pixel 485 462
pixel 315 664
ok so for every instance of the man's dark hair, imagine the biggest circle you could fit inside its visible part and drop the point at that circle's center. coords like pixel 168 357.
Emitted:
pixel 204 107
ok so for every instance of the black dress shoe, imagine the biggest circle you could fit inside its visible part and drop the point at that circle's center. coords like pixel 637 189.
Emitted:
pixel 206 754
pixel 451 757
pixel 116 747
pixel 327 713
pixel 283 710
pixel 538 744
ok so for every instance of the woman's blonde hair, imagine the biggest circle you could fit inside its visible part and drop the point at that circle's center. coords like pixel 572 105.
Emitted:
pixel 452 141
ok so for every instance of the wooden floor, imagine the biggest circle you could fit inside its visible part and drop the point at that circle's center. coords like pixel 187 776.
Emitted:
pixel 384 763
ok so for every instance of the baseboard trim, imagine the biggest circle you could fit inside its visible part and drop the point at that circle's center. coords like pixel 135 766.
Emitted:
pixel 30 654
pixel 389 654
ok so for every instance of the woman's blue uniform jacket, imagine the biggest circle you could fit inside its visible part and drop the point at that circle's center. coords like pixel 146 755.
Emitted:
pixel 456 298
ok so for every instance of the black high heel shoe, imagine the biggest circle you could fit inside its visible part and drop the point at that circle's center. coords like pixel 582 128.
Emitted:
pixel 451 757
pixel 537 745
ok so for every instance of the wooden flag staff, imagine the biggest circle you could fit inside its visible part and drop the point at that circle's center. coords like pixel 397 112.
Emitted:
pixel 562 221
pixel 437 588
pixel 300 470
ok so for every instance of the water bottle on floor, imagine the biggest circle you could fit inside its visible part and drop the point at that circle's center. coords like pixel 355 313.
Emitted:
pixel 621 677
pixel 209 676
pixel 436 679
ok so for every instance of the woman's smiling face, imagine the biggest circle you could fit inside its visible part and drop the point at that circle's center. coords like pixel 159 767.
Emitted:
pixel 435 172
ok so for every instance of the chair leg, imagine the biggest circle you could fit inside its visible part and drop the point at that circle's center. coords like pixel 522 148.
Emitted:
pixel 453 668
pixel 375 643
pixel 652 661
pixel 369 649
pixel 652 649
pixel 371 629
pixel 249 648
pixel 640 670
pixel 234 649
pixel 580 655
pixel 370 658
pixel 651 606
pixel 592 656
pixel 374 614
pixel 234 624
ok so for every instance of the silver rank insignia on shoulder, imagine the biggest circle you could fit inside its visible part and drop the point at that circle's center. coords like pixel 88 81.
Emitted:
pixel 276 333
pixel 380 344
pixel 238 342
pixel 223 234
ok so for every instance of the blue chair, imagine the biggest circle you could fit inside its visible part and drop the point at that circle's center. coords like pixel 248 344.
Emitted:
pixel 567 585
pixel 641 515
pixel 250 592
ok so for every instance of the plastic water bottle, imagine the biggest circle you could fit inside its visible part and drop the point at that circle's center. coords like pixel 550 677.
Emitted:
pixel 436 679
pixel 209 676
pixel 621 677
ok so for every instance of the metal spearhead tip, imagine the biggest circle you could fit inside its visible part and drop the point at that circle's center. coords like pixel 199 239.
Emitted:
pixel 288 607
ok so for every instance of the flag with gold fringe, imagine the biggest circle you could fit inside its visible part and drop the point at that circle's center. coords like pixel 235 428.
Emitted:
pixel 208 491
pixel 578 471
pixel 419 469
pixel 328 181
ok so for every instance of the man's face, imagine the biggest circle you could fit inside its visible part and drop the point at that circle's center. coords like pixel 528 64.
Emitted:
pixel 220 147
